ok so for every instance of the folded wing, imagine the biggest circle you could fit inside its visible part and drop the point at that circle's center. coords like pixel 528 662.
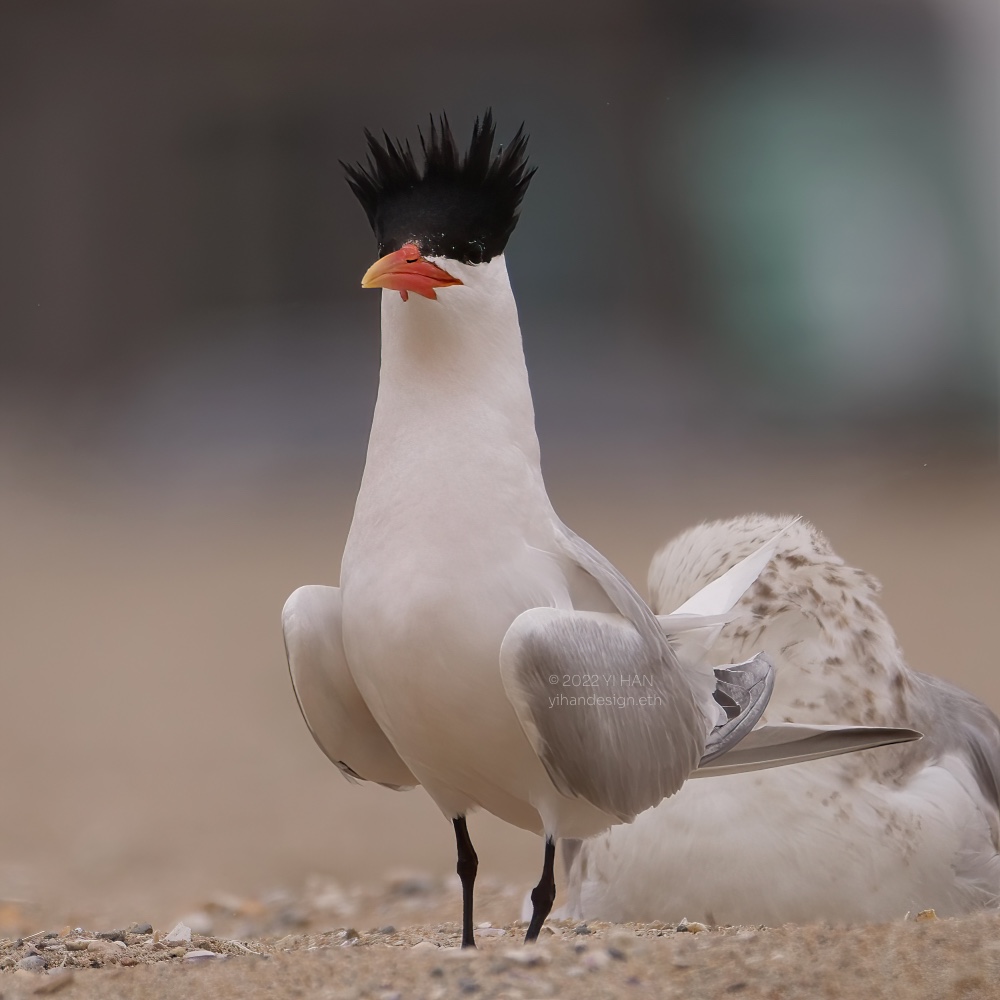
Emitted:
pixel 331 704
pixel 610 722
pixel 615 725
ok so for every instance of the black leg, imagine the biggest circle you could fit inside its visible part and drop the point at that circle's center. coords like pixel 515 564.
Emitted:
pixel 544 894
pixel 468 865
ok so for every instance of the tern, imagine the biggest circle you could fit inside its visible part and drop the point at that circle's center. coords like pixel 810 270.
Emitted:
pixel 476 646
pixel 863 838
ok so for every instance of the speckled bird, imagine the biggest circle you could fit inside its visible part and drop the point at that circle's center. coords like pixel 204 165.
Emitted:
pixel 867 837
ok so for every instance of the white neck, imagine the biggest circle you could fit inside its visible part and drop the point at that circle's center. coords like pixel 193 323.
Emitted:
pixel 454 426
pixel 453 375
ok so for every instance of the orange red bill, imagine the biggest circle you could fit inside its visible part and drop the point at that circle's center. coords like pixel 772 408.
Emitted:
pixel 405 270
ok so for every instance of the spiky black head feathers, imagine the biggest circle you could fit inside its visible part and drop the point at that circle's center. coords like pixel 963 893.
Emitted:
pixel 463 208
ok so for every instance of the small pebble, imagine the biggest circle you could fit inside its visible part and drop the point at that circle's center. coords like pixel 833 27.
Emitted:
pixel 528 956
pixel 77 945
pixel 388 929
pixel 926 915
pixel 199 922
pixel 691 926
pixel 179 933
pixel 424 946
pixel 111 935
pixel 582 929
pixel 140 928
pixel 32 963
pixel 200 954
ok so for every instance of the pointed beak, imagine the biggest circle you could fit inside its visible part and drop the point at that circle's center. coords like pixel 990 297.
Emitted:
pixel 406 271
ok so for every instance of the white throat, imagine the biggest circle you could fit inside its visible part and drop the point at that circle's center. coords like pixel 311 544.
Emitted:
pixel 453 367
pixel 465 345
pixel 453 447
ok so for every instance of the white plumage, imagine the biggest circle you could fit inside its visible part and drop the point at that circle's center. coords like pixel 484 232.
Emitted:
pixel 861 838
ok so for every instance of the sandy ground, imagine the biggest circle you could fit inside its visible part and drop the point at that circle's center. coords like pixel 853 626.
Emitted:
pixel 155 767
pixel 913 958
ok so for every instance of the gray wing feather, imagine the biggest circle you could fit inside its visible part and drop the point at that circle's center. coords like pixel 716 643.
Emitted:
pixel 620 592
pixel 742 690
pixel 789 743
pixel 624 731
pixel 328 698
pixel 957 721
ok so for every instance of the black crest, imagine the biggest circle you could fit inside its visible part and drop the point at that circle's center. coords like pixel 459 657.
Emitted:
pixel 463 208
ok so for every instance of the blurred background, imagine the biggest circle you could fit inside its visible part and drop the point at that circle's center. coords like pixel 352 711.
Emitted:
pixel 757 269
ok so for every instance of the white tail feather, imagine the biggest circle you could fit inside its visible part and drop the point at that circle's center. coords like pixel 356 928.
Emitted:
pixel 724 591
pixel 714 603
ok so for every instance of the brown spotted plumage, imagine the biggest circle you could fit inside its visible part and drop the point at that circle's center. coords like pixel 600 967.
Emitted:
pixel 867 836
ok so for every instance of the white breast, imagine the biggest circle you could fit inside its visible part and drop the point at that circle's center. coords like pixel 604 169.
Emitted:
pixel 451 540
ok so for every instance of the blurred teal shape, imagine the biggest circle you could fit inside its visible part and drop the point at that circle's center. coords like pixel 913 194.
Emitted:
pixel 834 233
